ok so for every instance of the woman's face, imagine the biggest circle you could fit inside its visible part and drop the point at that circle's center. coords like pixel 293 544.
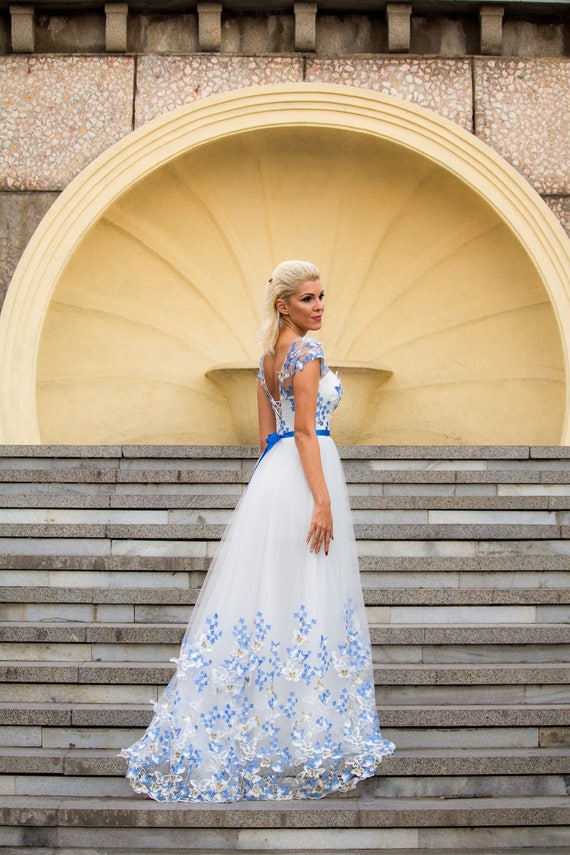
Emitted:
pixel 304 309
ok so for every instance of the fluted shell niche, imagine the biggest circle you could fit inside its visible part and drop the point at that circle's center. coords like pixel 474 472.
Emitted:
pixel 423 282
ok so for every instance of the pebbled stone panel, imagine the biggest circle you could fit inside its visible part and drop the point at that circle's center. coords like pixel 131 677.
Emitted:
pixel 521 110
pixel 167 82
pixel 441 85
pixel 57 114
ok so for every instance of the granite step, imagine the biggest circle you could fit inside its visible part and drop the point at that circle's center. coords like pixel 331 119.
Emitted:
pixel 330 813
pixel 427 531
pixel 418 635
pixel 536 850
pixel 59 499
pixel 143 642
pixel 80 671
pixel 118 716
pixel 393 786
pixel 105 762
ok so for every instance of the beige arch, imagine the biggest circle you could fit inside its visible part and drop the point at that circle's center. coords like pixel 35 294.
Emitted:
pixel 155 144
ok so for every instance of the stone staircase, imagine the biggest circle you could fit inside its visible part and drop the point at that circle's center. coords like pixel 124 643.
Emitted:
pixel 465 564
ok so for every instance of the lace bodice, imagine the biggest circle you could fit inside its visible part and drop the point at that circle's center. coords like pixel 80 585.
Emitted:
pixel 301 351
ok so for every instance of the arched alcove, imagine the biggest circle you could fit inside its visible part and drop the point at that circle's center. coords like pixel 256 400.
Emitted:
pixel 442 268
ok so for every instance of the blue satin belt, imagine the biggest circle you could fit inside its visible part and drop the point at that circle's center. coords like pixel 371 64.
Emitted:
pixel 274 438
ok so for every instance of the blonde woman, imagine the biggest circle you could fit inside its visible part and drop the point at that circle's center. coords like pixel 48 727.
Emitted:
pixel 273 696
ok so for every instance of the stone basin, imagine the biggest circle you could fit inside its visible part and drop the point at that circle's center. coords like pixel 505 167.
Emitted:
pixel 360 383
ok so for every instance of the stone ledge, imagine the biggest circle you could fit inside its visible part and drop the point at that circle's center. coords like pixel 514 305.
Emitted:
pixel 443 634
pixel 103 762
pixel 328 813
pixel 429 716
pixel 150 673
pixel 372 596
pixel 373 452
pixel 474 563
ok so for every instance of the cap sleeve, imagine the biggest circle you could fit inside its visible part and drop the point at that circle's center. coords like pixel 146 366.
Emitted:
pixel 302 350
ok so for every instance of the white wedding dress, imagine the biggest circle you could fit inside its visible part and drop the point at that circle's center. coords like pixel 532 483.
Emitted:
pixel 273 696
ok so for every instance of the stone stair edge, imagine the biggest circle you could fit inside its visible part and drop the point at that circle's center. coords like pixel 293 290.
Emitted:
pixel 372 596
pixel 172 633
pixel 176 563
pixel 50 762
pixel 116 475
pixel 520 452
pixel 511 452
pixel 212 501
pixel 430 716
pixel 214 531
pixel 401 674
pixel 343 812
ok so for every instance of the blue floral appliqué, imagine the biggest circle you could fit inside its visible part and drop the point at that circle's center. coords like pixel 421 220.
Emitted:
pixel 302 351
pixel 261 724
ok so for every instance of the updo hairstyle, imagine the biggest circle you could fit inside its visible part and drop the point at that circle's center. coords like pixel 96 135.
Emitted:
pixel 283 283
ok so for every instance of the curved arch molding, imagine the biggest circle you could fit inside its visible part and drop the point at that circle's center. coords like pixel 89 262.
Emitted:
pixel 435 157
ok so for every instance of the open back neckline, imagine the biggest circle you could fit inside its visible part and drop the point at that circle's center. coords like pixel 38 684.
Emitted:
pixel 277 402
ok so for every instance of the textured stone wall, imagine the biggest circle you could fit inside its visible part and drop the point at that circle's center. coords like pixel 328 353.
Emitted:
pixel 58 112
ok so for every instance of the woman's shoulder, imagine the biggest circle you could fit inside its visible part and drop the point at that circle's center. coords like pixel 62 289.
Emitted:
pixel 302 350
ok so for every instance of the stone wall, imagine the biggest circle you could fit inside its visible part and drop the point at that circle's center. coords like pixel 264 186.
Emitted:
pixel 61 111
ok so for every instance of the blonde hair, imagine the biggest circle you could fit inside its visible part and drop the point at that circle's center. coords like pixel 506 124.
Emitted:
pixel 282 284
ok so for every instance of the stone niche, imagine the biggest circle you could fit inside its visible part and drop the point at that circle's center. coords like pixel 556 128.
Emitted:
pixel 436 317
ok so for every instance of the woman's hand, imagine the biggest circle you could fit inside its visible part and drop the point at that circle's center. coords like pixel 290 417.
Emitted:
pixel 321 530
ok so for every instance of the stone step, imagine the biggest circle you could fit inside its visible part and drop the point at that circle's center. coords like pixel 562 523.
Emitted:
pixel 395 452
pixel 421 635
pixel 385 675
pixel 131 642
pixel 332 813
pixel 393 787
pixel 55 499
pixel 536 850
pixel 416 717
pixel 40 518
pixel 372 596
pixel 240 473
pixel 385 607
pixel 428 531
pixel 105 762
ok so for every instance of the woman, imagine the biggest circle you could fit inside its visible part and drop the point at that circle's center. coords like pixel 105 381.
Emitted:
pixel 273 696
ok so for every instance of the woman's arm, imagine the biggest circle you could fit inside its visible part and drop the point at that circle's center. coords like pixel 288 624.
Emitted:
pixel 265 417
pixel 305 390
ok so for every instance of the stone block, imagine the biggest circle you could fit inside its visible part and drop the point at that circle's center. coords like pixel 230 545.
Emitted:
pixel 491 34
pixel 49 785
pixel 463 614
pixel 23 29
pixel 61 737
pixel 398 19
pixel 43 652
pixel 25 761
pixel 167 82
pixel 521 109
pixel 24 736
pixel 20 214
pixel 69 110
pixel 305 25
pixel 555 737
pixel 478 737
pixel 176 33
pixel 540 840
pixel 209 26
pixel 72 693
pixel 560 207
pixel 442 85
pixel 116 15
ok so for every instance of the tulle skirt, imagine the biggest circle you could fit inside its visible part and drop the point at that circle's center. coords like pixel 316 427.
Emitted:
pixel 273 695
